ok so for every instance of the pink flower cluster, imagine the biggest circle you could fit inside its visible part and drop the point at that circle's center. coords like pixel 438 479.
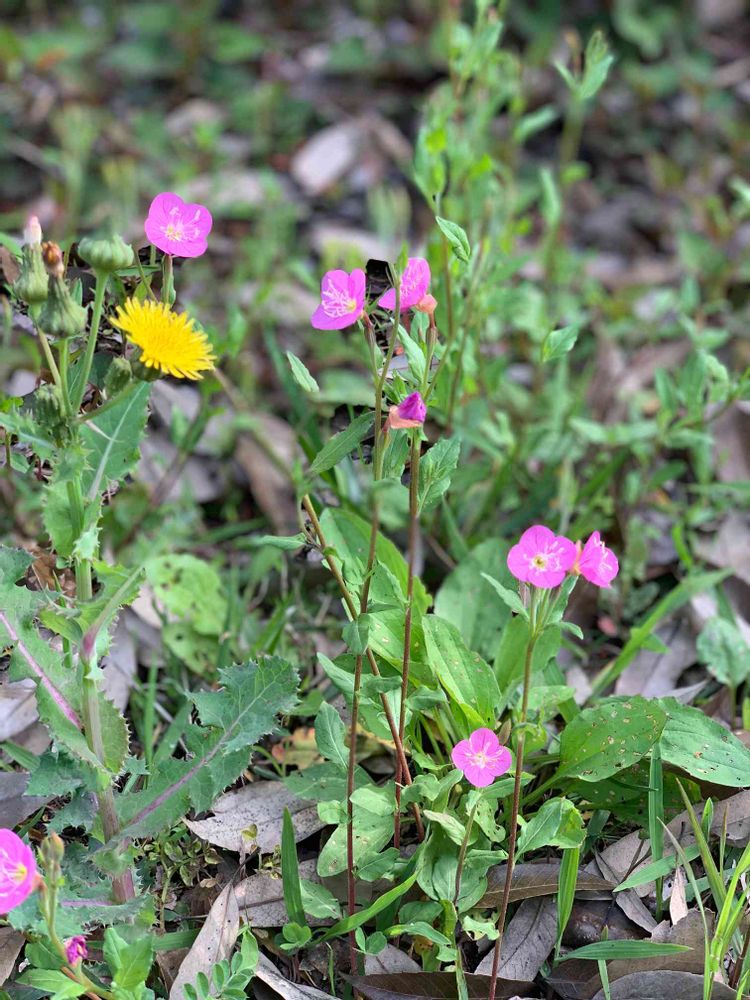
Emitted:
pixel 481 758
pixel 543 559
pixel 18 871
pixel 342 295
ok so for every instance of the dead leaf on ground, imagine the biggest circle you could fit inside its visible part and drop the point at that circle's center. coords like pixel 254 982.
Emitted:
pixel 327 156
pixel 11 943
pixel 261 897
pixel 729 548
pixel 431 986
pixel 590 919
pixel 17 708
pixel 527 941
pixel 260 805
pixel 655 675
pixel 678 908
pixel 664 985
pixel 268 973
pixel 536 880
pixel 732 447
pixel 213 944
pixel 621 855
pixel 628 901
pixel 390 959
pixel 271 486
pixel 15 807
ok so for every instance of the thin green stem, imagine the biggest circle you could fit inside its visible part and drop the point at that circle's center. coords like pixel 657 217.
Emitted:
pixel 88 357
pixel 416 447
pixel 64 351
pixel 462 852
pixel 516 807
pixel 49 357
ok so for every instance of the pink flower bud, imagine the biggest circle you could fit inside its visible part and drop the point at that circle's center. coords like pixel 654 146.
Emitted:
pixel 410 412
pixel 32 234
pixel 75 949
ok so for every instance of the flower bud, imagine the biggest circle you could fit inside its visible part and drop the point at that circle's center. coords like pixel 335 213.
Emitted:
pixel 49 411
pixel 32 234
pixel 53 259
pixel 427 304
pixel 504 732
pixel 31 284
pixel 61 316
pixel 106 253
pixel 52 849
pixel 118 376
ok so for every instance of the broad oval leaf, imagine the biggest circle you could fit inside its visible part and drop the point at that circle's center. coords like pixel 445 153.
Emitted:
pixel 604 740
pixel 702 748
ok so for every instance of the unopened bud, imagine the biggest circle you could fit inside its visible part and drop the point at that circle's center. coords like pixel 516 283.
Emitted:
pixel 118 376
pixel 427 304
pixel 61 316
pixel 53 259
pixel 32 234
pixel 106 253
pixel 31 284
pixel 504 733
pixel 52 849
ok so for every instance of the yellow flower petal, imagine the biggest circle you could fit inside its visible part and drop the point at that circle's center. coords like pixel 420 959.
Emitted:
pixel 168 340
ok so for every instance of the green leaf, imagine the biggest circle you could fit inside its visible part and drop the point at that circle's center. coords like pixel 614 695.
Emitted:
pixel 371 833
pixel 191 589
pixel 509 597
pixel 558 342
pixel 129 961
pixel 381 903
pixel 457 238
pixel 112 441
pixel 341 444
pixel 606 950
pixel 435 471
pixel 464 674
pixel 466 599
pixel 50 982
pixel 22 425
pixel 356 634
pixel 349 536
pixel 318 901
pixel 557 824
pixel 722 647
pixel 597 63
pixel 289 543
pixel 456 831
pixel 609 738
pixel 233 718
pixel 330 736
pixel 290 872
pixel 301 375
pixel 701 747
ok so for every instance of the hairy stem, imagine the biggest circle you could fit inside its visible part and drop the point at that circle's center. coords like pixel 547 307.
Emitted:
pixel 88 357
pixel 462 852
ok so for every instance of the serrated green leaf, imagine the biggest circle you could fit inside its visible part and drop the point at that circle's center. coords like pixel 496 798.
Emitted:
pixel 341 444
pixel 233 718
pixel 112 440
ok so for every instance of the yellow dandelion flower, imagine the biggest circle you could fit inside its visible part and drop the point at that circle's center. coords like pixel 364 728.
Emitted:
pixel 168 340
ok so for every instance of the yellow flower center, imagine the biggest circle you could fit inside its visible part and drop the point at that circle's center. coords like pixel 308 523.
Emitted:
pixel 539 561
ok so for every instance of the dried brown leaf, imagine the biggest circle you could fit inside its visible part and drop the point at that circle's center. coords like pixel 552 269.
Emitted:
pixel 536 880
pixel 527 941
pixel 213 944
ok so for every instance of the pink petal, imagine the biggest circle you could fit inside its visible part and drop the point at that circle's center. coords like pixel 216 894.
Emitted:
pixel 357 286
pixel 484 741
pixel 415 281
pixel 479 776
pixel 461 755
pixel 536 539
pixel 501 762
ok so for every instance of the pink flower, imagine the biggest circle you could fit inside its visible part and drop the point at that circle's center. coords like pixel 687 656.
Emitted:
pixel 410 412
pixel 541 557
pixel 177 228
pixel 481 758
pixel 596 562
pixel 75 949
pixel 17 871
pixel 414 284
pixel 342 300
